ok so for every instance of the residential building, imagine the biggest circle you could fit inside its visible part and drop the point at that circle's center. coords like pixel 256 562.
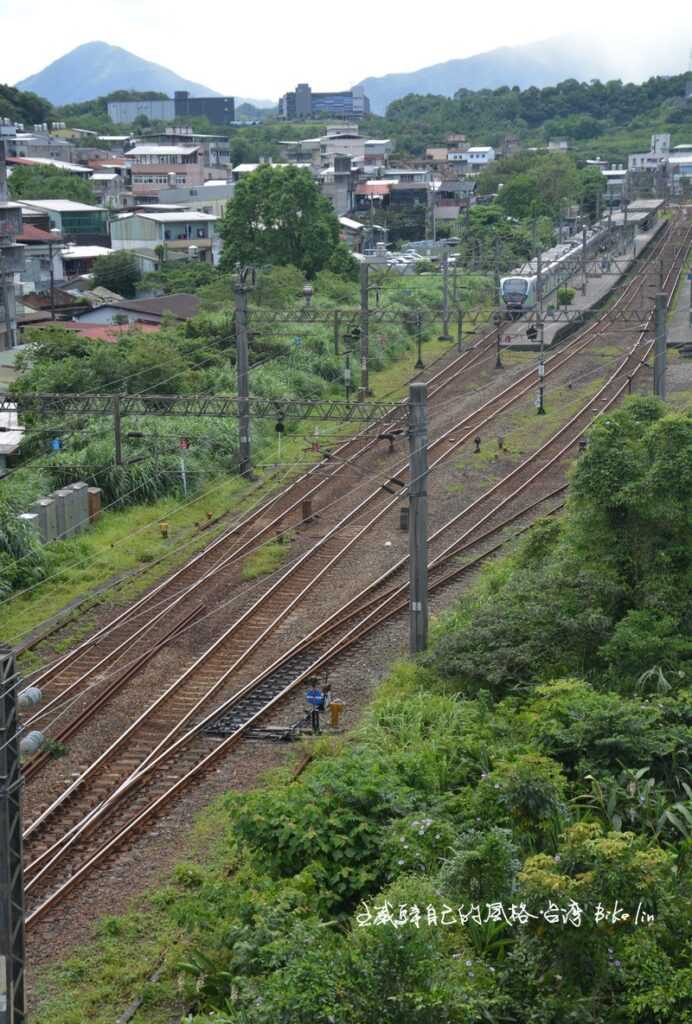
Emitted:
pixel 437 154
pixel 43 264
pixel 211 197
pixel 456 139
pixel 655 158
pixel 181 307
pixel 40 143
pixel 680 169
pixel 303 104
pixel 117 144
pixel 337 183
pixel 451 197
pixel 11 436
pixel 240 170
pixel 217 109
pixel 171 233
pixel 158 167
pixel 11 253
pixel 76 222
pixel 79 259
pixel 558 145
pixel 109 189
pixel 79 170
pixel 216 149
pixel 479 156
pixel 301 151
pixel 393 193
pixel 353 233
pixel 339 140
pixel 371 153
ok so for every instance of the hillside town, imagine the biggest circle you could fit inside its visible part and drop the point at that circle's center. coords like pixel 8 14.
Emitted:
pixel 161 194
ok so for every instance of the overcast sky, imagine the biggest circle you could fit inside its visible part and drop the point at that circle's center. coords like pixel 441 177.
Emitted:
pixel 262 49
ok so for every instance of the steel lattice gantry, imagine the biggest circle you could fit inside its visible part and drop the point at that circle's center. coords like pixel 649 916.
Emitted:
pixel 201 405
pixel 11 880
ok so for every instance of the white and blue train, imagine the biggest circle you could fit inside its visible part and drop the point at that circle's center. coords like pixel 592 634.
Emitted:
pixel 519 290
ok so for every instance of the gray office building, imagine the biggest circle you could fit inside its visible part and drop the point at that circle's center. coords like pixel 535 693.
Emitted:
pixel 217 109
pixel 303 104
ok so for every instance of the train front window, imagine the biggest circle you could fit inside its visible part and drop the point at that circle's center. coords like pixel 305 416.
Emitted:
pixel 515 285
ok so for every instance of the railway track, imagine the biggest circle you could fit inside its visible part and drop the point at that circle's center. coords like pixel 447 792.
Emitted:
pixel 279 512
pixel 125 786
pixel 257 623
pixel 90 665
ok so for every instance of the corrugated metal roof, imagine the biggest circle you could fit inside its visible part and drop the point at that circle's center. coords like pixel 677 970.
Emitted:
pixel 175 217
pixel 162 151
pixel 61 206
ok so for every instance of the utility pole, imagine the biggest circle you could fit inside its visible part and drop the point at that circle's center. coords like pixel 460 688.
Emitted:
pixel 445 336
pixel 418 517
pixel 243 383
pixel 52 280
pixel 460 327
pixel 117 431
pixel 583 259
pixel 364 325
pixel 660 353
pixel 497 263
pixel 11 878
pixel 539 285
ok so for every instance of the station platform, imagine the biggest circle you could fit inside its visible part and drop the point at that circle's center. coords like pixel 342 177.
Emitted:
pixel 680 317
pixel 598 287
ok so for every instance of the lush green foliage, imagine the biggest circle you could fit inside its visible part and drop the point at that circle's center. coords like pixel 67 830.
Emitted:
pixel 607 595
pixel 278 216
pixel 540 184
pixel 585 113
pixel 119 272
pixel 43 181
pixel 24 107
pixel 564 798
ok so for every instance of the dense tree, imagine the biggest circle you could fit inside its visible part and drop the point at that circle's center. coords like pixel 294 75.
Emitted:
pixel 119 272
pixel 609 592
pixel 278 216
pixel 42 181
pixel 25 107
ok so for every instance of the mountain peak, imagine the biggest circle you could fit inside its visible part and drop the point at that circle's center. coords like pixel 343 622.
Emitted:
pixel 97 68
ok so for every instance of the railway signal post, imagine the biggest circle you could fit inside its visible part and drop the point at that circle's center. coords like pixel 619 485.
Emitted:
pixel 418 517
pixel 11 878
